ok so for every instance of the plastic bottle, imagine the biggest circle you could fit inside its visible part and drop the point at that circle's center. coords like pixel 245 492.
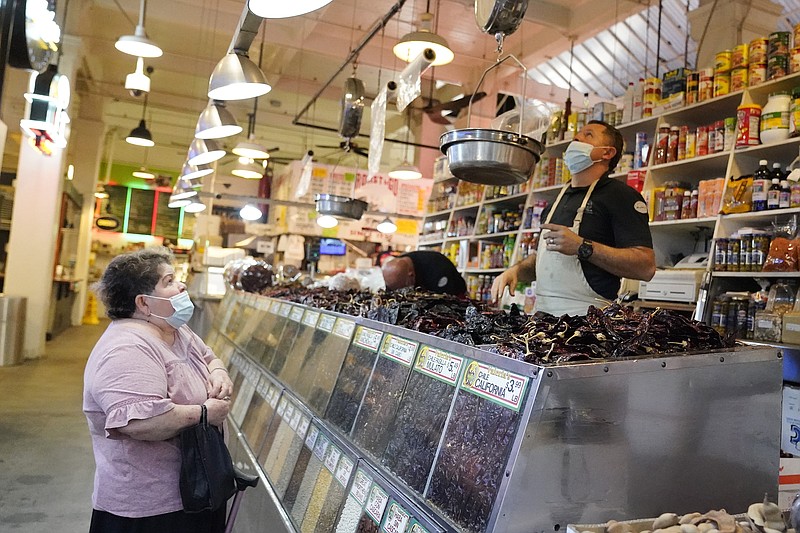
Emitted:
pixel 760 185
pixel 774 194
pixel 775 118
pixel 686 205
pixel 662 144
pixel 672 144
pixel 777 172
pixel 785 196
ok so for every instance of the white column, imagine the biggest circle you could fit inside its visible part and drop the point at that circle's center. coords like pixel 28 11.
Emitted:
pixel 31 245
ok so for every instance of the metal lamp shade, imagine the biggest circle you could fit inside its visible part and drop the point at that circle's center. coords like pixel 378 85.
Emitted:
pixel 216 122
pixel 191 172
pixel 140 135
pixel 204 151
pixel 138 44
pixel 250 171
pixel 270 9
pixel 414 43
pixel 251 150
pixel 405 171
pixel 183 190
pixel 236 77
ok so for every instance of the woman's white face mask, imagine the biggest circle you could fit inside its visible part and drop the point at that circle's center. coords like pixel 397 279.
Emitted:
pixel 183 306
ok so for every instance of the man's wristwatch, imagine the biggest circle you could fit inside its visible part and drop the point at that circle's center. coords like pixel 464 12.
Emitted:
pixel 585 250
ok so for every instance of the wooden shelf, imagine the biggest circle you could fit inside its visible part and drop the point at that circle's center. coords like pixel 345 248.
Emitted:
pixel 549 188
pixel 722 274
pixel 762 214
pixel 510 198
pixel 488 236
pixel 707 221
pixel 693 160
pixel 466 207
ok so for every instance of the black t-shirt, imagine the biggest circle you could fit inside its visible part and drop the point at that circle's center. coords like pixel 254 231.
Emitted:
pixel 616 215
pixel 435 272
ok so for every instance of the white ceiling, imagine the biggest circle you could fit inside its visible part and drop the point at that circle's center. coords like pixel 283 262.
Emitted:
pixel 301 54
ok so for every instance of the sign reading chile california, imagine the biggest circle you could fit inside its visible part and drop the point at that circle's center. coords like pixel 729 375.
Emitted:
pixel 500 386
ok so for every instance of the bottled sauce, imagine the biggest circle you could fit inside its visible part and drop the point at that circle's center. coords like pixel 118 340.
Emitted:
pixel 686 205
pixel 672 146
pixel 774 194
pixel 775 118
pixel 777 172
pixel 785 197
pixel 760 185
pixel 662 144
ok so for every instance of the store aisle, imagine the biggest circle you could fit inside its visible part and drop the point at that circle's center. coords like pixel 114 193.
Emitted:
pixel 46 461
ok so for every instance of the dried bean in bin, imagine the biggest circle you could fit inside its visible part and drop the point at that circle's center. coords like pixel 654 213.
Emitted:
pixel 350 386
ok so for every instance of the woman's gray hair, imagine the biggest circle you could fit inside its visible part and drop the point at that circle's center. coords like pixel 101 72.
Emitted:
pixel 129 275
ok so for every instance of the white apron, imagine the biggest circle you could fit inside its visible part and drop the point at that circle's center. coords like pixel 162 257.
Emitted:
pixel 561 287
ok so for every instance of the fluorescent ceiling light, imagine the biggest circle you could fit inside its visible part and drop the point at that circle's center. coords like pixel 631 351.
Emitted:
pixel 250 212
pixel 406 171
pixel 270 9
pixel 414 43
pixel 140 135
pixel 236 77
pixel 216 122
pixel 143 173
pixel 387 226
pixel 204 151
pixel 327 221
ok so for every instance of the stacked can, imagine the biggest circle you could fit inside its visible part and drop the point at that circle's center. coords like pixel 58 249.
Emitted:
pixel 739 61
pixel 778 55
pixel 692 86
pixel 652 94
pixel 722 73
pixel 705 84
pixel 757 66
pixel 748 123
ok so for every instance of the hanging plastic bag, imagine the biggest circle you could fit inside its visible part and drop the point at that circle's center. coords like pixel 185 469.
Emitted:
pixel 307 165
pixel 378 131
pixel 738 195
pixel 409 85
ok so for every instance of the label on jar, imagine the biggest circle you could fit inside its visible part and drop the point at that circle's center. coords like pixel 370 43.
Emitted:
pixel 495 384
pixel 439 364
pixel 399 349
pixel 775 120
pixel 367 338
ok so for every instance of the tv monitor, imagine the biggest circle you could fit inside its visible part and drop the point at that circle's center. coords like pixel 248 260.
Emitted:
pixel 332 247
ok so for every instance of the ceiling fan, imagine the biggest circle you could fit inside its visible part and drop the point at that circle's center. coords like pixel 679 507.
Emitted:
pixel 347 146
pixel 446 113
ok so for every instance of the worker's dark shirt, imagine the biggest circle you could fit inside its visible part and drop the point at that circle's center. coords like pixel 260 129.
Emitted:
pixel 436 273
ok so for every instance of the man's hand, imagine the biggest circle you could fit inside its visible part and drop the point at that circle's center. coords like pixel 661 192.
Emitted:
pixel 506 279
pixel 561 239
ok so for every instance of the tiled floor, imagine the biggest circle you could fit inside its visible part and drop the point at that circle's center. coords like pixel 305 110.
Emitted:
pixel 46 461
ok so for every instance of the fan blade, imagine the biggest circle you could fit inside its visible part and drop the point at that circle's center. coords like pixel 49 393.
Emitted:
pixel 455 105
pixel 361 151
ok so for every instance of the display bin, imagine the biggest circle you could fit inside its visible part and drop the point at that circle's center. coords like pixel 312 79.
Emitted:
pixel 482 442
pixel 12 329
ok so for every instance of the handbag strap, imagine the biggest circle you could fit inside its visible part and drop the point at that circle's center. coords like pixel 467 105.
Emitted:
pixel 204 415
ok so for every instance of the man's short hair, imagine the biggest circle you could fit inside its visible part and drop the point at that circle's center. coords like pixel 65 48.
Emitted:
pixel 614 139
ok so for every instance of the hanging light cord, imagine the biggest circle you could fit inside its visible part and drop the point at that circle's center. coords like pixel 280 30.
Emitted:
pixel 144 107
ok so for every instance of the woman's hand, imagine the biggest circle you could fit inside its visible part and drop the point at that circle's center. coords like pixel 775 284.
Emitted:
pixel 219 383
pixel 217 411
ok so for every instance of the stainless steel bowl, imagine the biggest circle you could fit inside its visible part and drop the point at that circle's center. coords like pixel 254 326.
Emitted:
pixel 340 206
pixel 490 157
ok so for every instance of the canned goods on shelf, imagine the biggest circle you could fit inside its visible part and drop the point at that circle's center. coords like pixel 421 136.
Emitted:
pixel 794 60
pixel 778 43
pixel 796 34
pixel 758 51
pixel 721 255
pixel 738 79
pixel 692 85
pixel 756 73
pixel 740 56
pixel 705 88
pixel 777 66
pixel 722 84
pixel 748 122
pixel 722 61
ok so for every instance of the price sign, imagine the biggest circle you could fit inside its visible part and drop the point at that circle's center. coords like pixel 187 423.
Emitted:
pixel 285 309
pixel 297 314
pixel 376 503
pixel 439 364
pixel 288 413
pixel 321 446
pixel 344 327
pixel 274 401
pixel 368 338
pixel 310 318
pixel 397 519
pixel 416 527
pixel 282 406
pixel 332 458
pixel 500 386
pixel 344 470
pixel 399 349
pixel 295 420
pixel 361 485
pixel 326 322
pixel 311 438
pixel 275 307
pixel 304 422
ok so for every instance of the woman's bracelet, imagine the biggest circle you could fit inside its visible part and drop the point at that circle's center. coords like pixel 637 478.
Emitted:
pixel 218 368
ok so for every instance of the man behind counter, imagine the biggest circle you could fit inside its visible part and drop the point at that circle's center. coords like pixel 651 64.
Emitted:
pixel 430 270
pixel 595 233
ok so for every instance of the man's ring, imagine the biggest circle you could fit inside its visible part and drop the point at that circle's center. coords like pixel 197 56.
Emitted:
pixel 551 240
pixel 227 398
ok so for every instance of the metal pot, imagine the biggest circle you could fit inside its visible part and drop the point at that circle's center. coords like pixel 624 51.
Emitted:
pixel 490 157
pixel 340 206
pixel 499 16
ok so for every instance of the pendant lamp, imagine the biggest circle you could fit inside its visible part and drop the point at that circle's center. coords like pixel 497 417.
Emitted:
pixel 250 212
pixel 406 171
pixel 387 226
pixel 270 9
pixel 195 206
pixel 143 173
pixel 236 77
pixel 181 194
pixel 327 221
pixel 193 172
pixel 204 151
pixel 250 148
pixel 216 122
pixel 248 169
pixel 138 44
pixel 140 135
pixel 414 43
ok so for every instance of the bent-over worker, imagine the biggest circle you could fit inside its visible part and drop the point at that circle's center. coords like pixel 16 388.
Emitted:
pixel 595 233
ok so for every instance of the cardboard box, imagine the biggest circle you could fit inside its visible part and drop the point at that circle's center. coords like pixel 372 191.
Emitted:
pixel 788 481
pixel 636 179
pixel 791 328
pixel 790 417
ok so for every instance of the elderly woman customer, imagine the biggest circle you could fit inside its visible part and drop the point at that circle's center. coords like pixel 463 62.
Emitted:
pixel 144 382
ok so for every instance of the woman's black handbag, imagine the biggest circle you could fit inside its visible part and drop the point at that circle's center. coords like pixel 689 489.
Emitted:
pixel 207 477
